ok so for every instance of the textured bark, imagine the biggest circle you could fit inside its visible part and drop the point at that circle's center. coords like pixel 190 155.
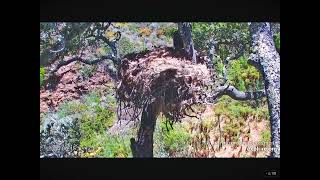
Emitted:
pixel 177 41
pixel 185 31
pixel 265 57
pixel 143 147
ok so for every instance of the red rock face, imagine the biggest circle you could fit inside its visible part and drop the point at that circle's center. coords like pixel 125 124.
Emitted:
pixel 71 86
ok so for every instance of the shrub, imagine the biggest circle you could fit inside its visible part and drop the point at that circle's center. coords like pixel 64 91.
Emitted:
pixel 201 33
pixel 232 129
pixel 93 124
pixel 71 108
pixel 42 76
pixel 262 113
pixel 90 121
pixel 126 46
pixel 173 143
pixel 92 99
pixel 59 137
pixel 96 120
pixel 265 137
pixel 237 113
pixel 169 31
pixel 105 116
pixel 109 146
pixel 88 71
pixel 244 76
pixel 240 109
pixel 118 147
pixel 208 123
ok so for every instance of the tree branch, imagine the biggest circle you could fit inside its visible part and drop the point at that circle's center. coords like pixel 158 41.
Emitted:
pixel 236 94
pixel 112 45
pixel 85 61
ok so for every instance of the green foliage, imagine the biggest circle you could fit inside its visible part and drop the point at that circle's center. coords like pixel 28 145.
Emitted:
pixel 265 137
pixel 105 117
pixel 115 146
pixel 202 32
pixel 71 108
pixel 219 109
pixel 126 46
pixel 42 76
pixel 51 32
pixel 92 117
pixel 244 76
pixel 108 146
pixel 240 109
pixel 91 99
pixel 91 125
pixel 96 121
pixel 229 39
pixel 232 129
pixel 132 27
pixel 208 123
pixel 168 31
pixel 104 50
pixel 219 67
pixel 238 113
pixel 176 140
pixel 173 143
pixel 88 71
pixel 46 29
pixel 262 113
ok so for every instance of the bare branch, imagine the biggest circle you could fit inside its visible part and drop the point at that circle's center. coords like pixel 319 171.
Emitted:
pixel 236 94
pixel 85 61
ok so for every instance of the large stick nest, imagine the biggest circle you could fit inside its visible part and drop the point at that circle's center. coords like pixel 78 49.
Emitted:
pixel 165 77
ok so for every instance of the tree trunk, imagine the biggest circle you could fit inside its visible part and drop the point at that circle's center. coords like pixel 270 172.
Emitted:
pixel 185 31
pixel 143 147
pixel 177 41
pixel 265 57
